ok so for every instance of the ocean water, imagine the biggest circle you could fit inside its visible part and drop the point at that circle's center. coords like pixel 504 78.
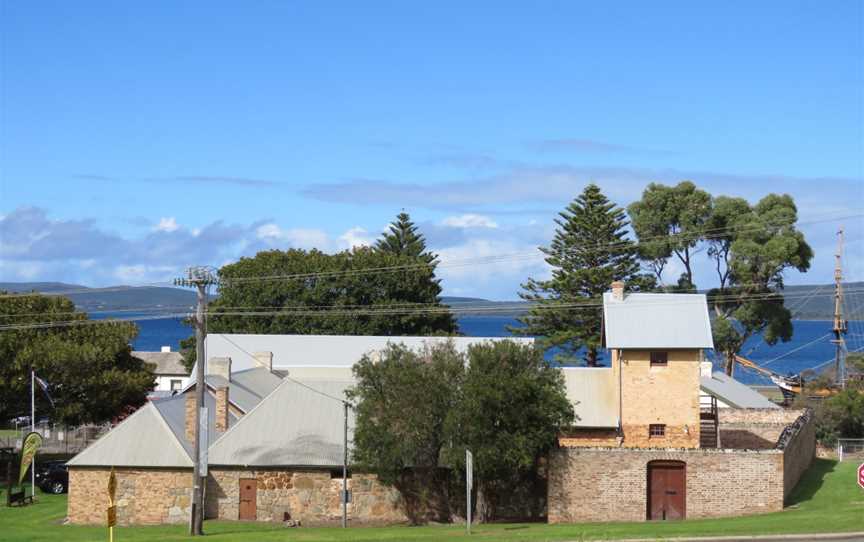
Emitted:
pixel 785 358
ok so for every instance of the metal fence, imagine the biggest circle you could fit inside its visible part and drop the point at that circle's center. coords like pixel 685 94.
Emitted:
pixel 56 439
pixel 850 448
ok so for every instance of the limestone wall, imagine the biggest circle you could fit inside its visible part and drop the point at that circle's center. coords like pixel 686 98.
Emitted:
pixel 799 447
pixel 144 496
pixel 754 428
pixel 603 484
pixel 310 496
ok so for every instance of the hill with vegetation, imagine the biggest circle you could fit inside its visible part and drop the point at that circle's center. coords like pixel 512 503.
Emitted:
pixel 808 302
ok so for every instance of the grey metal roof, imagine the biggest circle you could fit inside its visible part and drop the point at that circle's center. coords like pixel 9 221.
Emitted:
pixel 166 363
pixel 144 439
pixel 733 393
pixel 593 393
pixel 657 321
pixel 247 388
pixel 173 411
pixel 294 426
pixel 320 350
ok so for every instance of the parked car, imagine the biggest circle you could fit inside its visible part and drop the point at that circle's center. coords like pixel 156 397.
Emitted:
pixel 52 477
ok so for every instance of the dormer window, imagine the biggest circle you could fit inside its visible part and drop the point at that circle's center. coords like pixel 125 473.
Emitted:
pixel 659 358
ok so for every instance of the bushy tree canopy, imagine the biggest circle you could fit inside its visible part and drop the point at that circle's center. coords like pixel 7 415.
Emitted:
pixel 89 368
pixel 671 221
pixel 590 250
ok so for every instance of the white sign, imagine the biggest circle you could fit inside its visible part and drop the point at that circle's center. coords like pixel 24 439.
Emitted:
pixel 205 440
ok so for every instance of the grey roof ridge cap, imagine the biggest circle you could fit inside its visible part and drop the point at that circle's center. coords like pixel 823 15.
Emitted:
pixel 173 435
pixel 246 416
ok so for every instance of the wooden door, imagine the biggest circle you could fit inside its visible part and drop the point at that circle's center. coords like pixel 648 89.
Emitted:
pixel 667 482
pixel 248 501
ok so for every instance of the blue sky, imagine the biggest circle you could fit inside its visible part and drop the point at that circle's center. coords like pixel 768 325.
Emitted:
pixel 137 139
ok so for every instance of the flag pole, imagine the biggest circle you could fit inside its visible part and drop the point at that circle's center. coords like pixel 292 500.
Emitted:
pixel 33 430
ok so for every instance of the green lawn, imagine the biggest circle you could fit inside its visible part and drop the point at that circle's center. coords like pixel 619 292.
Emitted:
pixel 827 500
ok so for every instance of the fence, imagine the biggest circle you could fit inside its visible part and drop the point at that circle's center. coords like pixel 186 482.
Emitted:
pixel 850 448
pixel 56 439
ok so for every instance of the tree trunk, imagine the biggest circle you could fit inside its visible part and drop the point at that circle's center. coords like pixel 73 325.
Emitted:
pixel 591 357
pixel 483 511
pixel 730 363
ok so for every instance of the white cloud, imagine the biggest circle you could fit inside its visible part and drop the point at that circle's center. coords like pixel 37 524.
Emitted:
pixel 470 220
pixel 356 237
pixel 306 238
pixel 167 224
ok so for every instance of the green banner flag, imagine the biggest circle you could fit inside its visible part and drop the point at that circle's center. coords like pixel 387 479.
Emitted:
pixel 31 443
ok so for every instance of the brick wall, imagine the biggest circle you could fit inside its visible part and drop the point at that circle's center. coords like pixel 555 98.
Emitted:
pixel 754 428
pixel 659 395
pixel 144 496
pixel 310 496
pixel 603 484
pixel 799 448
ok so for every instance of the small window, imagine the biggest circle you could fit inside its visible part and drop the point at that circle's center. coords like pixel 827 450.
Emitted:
pixel 659 359
pixel 337 473
pixel 657 430
pixel 176 385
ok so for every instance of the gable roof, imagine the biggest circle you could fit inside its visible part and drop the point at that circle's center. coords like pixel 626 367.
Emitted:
pixel 733 393
pixel 593 393
pixel 654 321
pixel 294 426
pixel 341 351
pixel 166 363
pixel 246 388
pixel 144 439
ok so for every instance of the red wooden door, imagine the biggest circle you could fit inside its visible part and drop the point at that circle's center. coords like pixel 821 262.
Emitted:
pixel 248 501
pixel 667 498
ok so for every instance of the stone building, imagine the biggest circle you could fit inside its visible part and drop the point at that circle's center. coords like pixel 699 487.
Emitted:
pixel 275 444
pixel 652 442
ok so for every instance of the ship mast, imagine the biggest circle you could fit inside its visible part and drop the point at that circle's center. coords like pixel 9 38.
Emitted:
pixel 839 323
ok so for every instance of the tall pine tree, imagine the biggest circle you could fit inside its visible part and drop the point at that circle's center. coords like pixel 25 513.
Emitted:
pixel 404 239
pixel 590 250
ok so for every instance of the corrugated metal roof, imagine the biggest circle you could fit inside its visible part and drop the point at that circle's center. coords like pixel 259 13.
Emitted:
pixel 294 426
pixel 657 321
pixel 734 393
pixel 144 439
pixel 593 393
pixel 320 350
pixel 167 363
pixel 173 411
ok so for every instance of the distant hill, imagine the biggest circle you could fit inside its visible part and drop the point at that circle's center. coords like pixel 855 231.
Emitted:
pixel 808 302
pixel 110 298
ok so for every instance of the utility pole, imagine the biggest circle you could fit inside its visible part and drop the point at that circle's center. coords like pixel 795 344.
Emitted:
pixel 345 467
pixel 840 323
pixel 201 278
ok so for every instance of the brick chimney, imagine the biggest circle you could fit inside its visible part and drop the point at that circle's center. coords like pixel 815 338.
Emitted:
pixel 264 359
pixel 190 417
pixel 222 409
pixel 219 367
pixel 618 290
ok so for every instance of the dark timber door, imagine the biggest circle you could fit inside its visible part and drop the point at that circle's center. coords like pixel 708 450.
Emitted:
pixel 248 503
pixel 666 490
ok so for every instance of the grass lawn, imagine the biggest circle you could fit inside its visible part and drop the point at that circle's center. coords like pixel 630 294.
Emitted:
pixel 827 500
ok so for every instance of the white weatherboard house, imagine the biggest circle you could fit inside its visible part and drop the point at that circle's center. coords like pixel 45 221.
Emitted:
pixel 275 444
pixel 171 375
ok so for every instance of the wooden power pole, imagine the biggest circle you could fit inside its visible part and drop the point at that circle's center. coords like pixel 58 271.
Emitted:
pixel 840 323
pixel 201 278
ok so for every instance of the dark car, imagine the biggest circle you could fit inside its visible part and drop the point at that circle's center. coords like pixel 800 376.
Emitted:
pixel 52 477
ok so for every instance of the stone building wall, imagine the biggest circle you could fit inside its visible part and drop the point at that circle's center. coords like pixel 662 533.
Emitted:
pixel 310 496
pixel 144 496
pixel 611 484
